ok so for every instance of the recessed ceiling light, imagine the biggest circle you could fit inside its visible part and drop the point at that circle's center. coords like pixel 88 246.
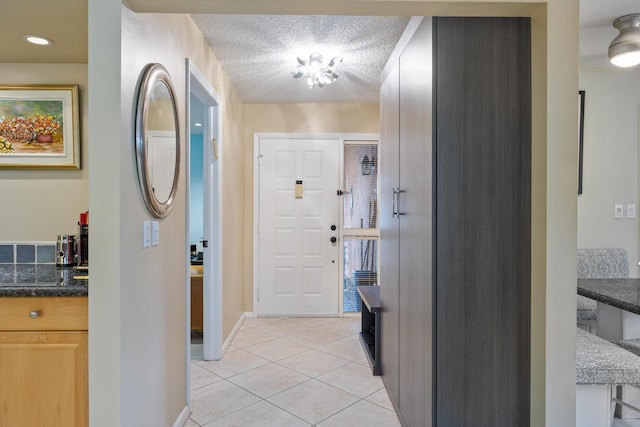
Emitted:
pixel 36 39
pixel 197 124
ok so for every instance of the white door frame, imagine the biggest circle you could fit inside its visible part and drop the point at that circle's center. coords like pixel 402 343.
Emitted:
pixel 197 85
pixel 256 199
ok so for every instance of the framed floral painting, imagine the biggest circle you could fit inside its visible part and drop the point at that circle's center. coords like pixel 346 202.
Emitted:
pixel 39 126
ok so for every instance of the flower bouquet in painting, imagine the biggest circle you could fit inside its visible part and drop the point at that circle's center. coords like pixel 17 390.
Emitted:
pixel 31 126
pixel 5 146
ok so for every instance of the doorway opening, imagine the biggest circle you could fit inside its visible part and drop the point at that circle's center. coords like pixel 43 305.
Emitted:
pixel 204 284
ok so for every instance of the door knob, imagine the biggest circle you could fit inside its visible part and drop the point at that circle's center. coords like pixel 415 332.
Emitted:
pixel 333 228
pixel 333 239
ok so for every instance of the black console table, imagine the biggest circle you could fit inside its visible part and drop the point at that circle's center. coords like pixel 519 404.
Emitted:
pixel 370 332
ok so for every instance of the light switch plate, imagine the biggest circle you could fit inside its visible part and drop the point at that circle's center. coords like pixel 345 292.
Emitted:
pixel 146 234
pixel 155 233
pixel 631 211
pixel 618 211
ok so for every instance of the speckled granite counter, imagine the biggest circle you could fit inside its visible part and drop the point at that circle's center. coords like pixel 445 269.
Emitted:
pixel 42 280
pixel 619 293
pixel 600 362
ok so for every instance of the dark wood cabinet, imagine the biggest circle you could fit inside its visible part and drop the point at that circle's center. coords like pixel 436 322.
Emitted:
pixel 370 325
pixel 455 242
pixel 389 264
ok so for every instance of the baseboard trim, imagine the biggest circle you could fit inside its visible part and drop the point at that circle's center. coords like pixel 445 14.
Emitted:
pixel 288 315
pixel 183 417
pixel 236 328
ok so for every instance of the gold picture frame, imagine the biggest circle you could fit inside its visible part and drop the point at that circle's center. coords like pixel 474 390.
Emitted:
pixel 39 127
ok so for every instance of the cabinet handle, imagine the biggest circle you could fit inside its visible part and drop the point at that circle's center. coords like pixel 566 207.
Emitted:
pixel 396 202
pixel 395 213
pixel 34 314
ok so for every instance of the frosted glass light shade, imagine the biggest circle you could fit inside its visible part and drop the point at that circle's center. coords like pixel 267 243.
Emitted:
pixel 624 50
pixel 316 73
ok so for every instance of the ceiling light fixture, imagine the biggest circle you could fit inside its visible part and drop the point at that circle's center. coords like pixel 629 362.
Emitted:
pixel 316 73
pixel 36 39
pixel 624 50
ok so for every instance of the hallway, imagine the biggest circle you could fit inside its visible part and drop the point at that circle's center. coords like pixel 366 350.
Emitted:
pixel 290 372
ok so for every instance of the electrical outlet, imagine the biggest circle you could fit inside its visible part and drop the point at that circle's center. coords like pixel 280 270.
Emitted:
pixel 146 234
pixel 631 211
pixel 618 211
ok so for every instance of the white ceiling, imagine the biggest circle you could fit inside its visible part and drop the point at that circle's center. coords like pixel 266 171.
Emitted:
pixel 258 52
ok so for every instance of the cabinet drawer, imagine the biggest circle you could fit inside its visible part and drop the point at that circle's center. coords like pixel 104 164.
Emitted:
pixel 53 314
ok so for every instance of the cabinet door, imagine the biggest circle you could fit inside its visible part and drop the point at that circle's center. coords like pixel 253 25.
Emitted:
pixel 416 247
pixel 483 246
pixel 43 379
pixel 389 228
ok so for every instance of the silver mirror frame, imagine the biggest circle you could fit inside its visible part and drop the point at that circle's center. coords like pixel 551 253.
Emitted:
pixel 154 73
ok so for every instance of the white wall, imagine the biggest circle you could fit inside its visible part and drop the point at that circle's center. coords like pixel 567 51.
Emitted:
pixel 37 205
pixel 610 159
pixel 137 303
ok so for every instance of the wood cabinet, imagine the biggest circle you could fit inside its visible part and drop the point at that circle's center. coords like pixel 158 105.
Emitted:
pixel 44 362
pixel 389 228
pixel 406 230
pixel 196 298
pixel 455 243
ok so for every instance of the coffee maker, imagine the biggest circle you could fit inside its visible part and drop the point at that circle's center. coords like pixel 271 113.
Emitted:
pixel 66 250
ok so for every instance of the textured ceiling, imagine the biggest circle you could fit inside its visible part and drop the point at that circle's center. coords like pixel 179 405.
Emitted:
pixel 258 52
pixel 242 43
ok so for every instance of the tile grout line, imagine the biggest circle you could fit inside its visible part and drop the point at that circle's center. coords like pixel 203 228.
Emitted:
pixel 279 362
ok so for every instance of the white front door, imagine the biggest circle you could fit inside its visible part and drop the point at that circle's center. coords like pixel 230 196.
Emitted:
pixel 298 206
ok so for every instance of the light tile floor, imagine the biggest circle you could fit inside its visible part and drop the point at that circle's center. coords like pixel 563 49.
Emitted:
pixel 290 372
pixel 626 423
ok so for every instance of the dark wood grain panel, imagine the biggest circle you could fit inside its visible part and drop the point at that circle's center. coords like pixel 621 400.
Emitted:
pixel 416 180
pixel 389 229
pixel 483 134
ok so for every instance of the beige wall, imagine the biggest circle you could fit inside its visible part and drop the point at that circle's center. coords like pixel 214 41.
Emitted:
pixel 294 118
pixel 610 159
pixel 137 301
pixel 37 205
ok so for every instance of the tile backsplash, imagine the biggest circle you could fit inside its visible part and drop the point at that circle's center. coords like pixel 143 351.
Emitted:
pixel 27 252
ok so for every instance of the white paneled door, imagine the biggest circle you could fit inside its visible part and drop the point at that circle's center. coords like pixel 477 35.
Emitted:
pixel 298 229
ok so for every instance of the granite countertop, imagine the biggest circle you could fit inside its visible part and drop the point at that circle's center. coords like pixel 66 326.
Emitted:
pixel 620 293
pixel 42 280
pixel 600 362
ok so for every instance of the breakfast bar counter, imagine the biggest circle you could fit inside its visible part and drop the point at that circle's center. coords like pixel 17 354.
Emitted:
pixel 42 280
pixel 619 293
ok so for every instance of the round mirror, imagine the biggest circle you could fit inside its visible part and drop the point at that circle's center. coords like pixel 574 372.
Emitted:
pixel 157 140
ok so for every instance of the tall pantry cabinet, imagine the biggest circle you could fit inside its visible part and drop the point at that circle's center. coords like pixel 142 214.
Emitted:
pixel 455 181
